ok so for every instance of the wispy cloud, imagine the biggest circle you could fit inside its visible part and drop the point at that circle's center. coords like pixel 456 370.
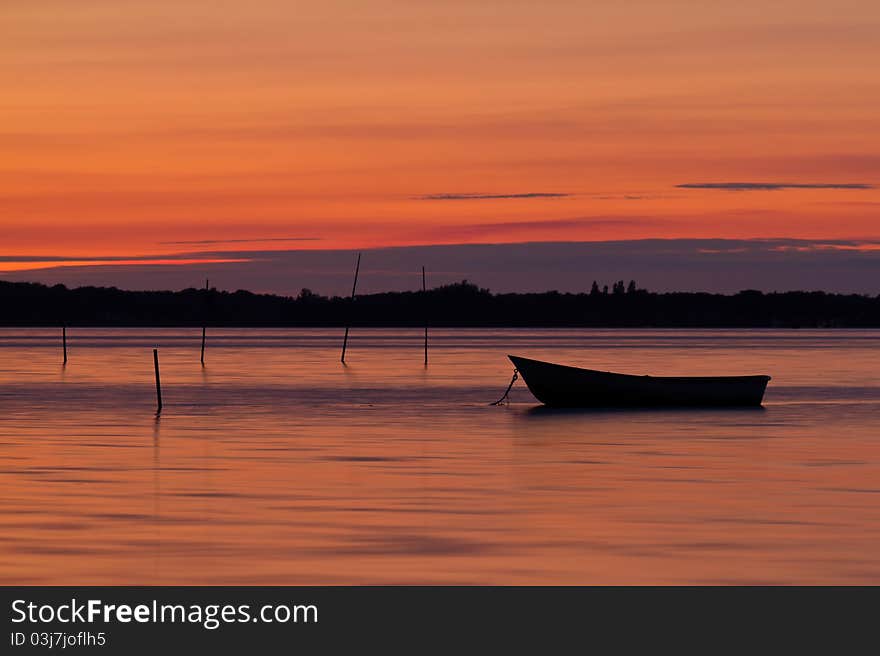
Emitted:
pixel 783 245
pixel 627 197
pixel 203 242
pixel 772 186
pixel 542 229
pixel 530 194
pixel 23 264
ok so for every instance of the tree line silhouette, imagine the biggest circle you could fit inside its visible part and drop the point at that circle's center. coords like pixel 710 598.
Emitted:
pixel 459 304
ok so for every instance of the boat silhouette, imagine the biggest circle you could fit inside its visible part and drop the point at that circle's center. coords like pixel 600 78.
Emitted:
pixel 563 386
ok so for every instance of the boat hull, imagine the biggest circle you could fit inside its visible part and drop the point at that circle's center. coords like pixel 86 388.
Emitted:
pixel 561 386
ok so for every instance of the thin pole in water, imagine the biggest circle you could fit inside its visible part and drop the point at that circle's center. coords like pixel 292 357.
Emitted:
pixel 158 383
pixel 425 310
pixel 357 268
pixel 64 342
pixel 204 320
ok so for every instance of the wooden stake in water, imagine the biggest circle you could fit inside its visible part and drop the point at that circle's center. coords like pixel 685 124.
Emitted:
pixel 204 321
pixel 64 342
pixel 357 268
pixel 158 383
pixel 425 310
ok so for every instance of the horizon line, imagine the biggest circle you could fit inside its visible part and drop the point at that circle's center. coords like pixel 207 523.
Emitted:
pixel 605 290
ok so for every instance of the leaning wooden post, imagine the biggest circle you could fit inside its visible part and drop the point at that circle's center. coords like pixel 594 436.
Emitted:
pixel 204 321
pixel 64 342
pixel 425 310
pixel 357 268
pixel 158 384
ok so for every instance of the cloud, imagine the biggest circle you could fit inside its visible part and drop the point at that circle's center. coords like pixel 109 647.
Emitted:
pixel 481 231
pixel 772 186
pixel 628 197
pixel 781 245
pixel 530 194
pixel 19 259
pixel 204 242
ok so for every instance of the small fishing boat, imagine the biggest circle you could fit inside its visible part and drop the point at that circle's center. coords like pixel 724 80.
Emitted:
pixel 572 387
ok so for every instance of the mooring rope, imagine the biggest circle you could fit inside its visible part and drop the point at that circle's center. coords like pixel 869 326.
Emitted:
pixel 509 387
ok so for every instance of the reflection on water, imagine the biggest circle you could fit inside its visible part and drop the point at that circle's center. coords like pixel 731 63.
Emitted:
pixel 276 465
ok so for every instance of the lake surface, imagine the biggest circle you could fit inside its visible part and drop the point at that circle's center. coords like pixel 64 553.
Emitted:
pixel 275 464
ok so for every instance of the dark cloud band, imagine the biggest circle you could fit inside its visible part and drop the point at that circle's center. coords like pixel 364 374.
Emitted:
pixel 532 194
pixel 718 265
pixel 772 186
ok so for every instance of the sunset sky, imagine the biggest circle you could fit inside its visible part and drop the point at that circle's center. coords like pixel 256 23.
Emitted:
pixel 159 132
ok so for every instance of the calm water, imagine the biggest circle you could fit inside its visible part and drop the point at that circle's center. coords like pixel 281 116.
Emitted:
pixel 277 465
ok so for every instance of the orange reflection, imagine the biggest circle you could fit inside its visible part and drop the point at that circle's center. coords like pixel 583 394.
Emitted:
pixel 275 465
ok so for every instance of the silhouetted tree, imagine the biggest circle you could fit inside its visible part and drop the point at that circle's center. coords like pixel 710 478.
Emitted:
pixel 594 290
pixel 605 290
pixel 619 288
pixel 631 288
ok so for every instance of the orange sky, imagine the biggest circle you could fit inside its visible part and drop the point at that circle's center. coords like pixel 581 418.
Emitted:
pixel 129 125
